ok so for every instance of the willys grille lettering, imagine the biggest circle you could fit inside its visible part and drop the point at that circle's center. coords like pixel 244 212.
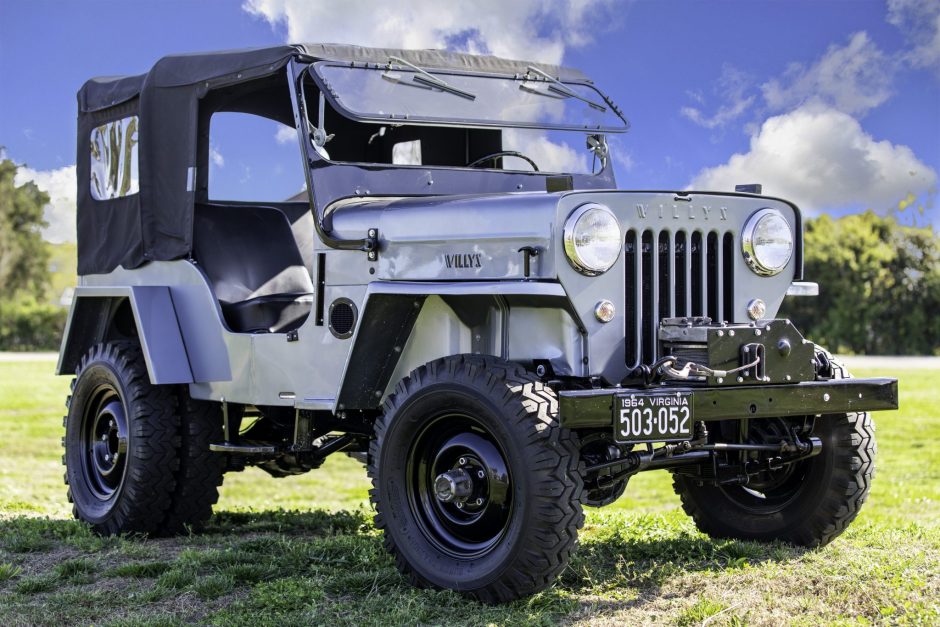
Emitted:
pixel 690 212
pixel 466 260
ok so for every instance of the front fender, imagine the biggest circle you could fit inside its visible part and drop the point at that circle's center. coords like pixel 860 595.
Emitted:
pixel 465 317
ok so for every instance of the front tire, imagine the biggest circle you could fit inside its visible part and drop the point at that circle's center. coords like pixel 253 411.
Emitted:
pixel 475 485
pixel 808 504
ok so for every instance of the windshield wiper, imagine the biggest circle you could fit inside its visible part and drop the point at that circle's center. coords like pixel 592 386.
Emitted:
pixel 560 88
pixel 426 78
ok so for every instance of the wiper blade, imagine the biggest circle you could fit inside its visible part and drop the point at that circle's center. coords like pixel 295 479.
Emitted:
pixel 426 78
pixel 560 88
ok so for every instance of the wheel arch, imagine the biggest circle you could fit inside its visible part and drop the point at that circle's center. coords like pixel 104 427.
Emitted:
pixel 142 313
pixel 405 325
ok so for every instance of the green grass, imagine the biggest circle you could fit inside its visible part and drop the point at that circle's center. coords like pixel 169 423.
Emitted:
pixel 303 550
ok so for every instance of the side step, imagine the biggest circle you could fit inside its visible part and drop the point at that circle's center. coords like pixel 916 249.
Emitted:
pixel 242 449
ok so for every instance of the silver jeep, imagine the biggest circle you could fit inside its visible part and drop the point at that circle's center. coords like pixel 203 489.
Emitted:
pixel 500 345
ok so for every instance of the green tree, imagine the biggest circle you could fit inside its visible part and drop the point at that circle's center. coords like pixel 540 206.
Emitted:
pixel 879 286
pixel 23 254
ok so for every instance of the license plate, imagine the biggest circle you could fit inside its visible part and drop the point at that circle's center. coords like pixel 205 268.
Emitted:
pixel 645 417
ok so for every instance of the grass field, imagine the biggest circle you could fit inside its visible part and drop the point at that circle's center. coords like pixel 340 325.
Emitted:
pixel 303 550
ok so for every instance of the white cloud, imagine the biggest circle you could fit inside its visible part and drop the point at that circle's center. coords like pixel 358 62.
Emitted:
pixel 854 78
pixel 919 20
pixel 619 154
pixel 217 159
pixel 285 134
pixel 60 212
pixel 732 85
pixel 550 156
pixel 536 30
pixel 821 158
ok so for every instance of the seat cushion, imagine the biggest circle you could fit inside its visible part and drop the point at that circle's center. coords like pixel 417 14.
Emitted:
pixel 275 313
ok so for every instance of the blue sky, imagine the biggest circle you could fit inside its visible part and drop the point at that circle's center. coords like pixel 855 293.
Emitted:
pixel 835 104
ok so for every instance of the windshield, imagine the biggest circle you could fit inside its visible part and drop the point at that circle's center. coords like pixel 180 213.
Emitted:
pixel 403 93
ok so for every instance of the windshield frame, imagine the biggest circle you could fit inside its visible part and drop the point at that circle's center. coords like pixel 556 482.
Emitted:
pixel 331 97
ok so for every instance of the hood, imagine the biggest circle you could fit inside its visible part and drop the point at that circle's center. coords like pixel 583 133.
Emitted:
pixel 444 238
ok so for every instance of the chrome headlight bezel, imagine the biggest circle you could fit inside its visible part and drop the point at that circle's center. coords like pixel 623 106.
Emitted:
pixel 576 256
pixel 751 249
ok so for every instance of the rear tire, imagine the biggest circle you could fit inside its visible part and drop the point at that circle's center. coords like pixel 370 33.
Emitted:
pixel 514 511
pixel 200 470
pixel 121 440
pixel 811 507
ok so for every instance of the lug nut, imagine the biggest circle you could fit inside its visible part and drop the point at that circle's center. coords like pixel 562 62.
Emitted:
pixel 481 474
pixel 462 461
pixel 479 501
pixel 459 504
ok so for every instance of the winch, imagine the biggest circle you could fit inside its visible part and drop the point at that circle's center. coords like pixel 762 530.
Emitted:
pixel 698 350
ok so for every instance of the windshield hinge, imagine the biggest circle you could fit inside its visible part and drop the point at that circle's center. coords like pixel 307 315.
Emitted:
pixel 598 145
pixel 372 244
pixel 320 138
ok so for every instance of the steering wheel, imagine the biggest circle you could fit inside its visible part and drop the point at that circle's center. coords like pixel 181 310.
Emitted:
pixel 493 156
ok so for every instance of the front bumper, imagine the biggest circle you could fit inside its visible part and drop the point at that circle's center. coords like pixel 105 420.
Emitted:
pixel 594 408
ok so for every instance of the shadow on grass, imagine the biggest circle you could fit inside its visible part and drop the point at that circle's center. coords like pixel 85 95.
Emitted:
pixel 294 566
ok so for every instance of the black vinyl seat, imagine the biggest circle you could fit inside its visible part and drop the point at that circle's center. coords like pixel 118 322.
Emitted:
pixel 254 265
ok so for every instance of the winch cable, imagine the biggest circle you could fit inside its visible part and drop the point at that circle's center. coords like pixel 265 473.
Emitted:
pixel 691 369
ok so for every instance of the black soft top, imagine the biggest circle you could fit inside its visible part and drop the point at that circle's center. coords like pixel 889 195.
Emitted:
pixel 188 69
pixel 156 223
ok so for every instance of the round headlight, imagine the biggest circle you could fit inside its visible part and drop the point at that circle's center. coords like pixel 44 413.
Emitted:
pixel 592 239
pixel 767 242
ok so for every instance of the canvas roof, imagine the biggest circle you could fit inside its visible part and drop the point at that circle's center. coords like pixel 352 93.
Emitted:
pixel 188 69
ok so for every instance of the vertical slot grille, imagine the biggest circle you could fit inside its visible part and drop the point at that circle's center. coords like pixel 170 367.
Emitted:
pixel 711 252
pixel 665 275
pixel 647 311
pixel 697 292
pixel 727 277
pixel 674 274
pixel 682 303
pixel 630 306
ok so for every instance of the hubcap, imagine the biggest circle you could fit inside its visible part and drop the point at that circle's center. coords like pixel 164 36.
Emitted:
pixel 104 442
pixel 453 485
pixel 459 486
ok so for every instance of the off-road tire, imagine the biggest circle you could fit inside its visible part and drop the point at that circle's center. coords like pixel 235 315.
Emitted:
pixel 541 458
pixel 200 470
pixel 144 493
pixel 835 485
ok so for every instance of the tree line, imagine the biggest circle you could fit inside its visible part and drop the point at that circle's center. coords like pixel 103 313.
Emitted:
pixel 879 280
pixel 879 286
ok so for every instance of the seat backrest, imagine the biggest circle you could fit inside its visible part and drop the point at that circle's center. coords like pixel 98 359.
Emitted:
pixel 248 251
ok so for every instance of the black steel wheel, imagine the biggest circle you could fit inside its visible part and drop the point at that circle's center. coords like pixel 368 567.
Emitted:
pixel 476 486
pixel 120 442
pixel 808 503
pixel 459 485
